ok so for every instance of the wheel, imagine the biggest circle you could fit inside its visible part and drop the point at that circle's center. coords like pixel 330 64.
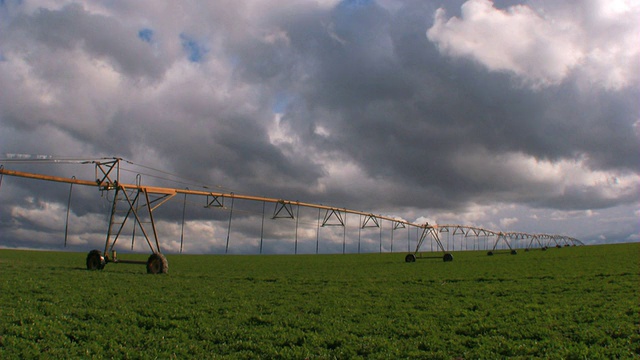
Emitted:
pixel 514 252
pixel 95 260
pixel 157 264
pixel 447 257
pixel 410 258
pixel 490 253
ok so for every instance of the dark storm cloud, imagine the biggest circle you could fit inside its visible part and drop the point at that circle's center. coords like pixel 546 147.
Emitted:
pixel 73 28
pixel 382 106
pixel 406 119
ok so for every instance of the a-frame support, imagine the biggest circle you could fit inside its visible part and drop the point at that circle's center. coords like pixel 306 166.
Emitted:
pixel 535 238
pixel 370 221
pixel 428 230
pixel 502 236
pixel 138 206
pixel 288 210
pixel 333 217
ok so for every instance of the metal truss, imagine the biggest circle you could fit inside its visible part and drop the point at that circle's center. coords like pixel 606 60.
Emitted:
pixel 507 238
pixel 136 203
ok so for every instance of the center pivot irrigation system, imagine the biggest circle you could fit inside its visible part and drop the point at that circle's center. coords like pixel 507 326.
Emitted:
pixel 137 202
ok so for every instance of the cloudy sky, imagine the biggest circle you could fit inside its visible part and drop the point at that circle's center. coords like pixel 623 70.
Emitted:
pixel 511 115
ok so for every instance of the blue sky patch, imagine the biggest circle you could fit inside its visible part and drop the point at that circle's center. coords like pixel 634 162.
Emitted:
pixel 195 50
pixel 146 35
pixel 281 102
pixel 350 4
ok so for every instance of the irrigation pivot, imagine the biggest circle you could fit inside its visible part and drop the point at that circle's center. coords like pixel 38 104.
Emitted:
pixel 136 203
pixel 530 240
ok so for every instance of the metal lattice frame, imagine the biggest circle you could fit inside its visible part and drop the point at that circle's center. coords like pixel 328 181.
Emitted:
pixel 138 202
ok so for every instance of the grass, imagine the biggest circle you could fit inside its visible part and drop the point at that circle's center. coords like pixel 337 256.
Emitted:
pixel 569 303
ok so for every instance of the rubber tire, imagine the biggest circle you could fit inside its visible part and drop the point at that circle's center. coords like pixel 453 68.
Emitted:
pixel 447 257
pixel 490 253
pixel 95 260
pixel 514 252
pixel 157 264
pixel 410 258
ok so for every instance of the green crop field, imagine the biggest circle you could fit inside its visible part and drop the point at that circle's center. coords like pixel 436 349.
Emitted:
pixel 568 303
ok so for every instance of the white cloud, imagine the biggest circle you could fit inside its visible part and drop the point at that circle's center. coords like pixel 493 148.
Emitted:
pixel 545 178
pixel 543 46
pixel 52 216
pixel 278 133
pixel 517 40
pixel 506 223
pixel 633 237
